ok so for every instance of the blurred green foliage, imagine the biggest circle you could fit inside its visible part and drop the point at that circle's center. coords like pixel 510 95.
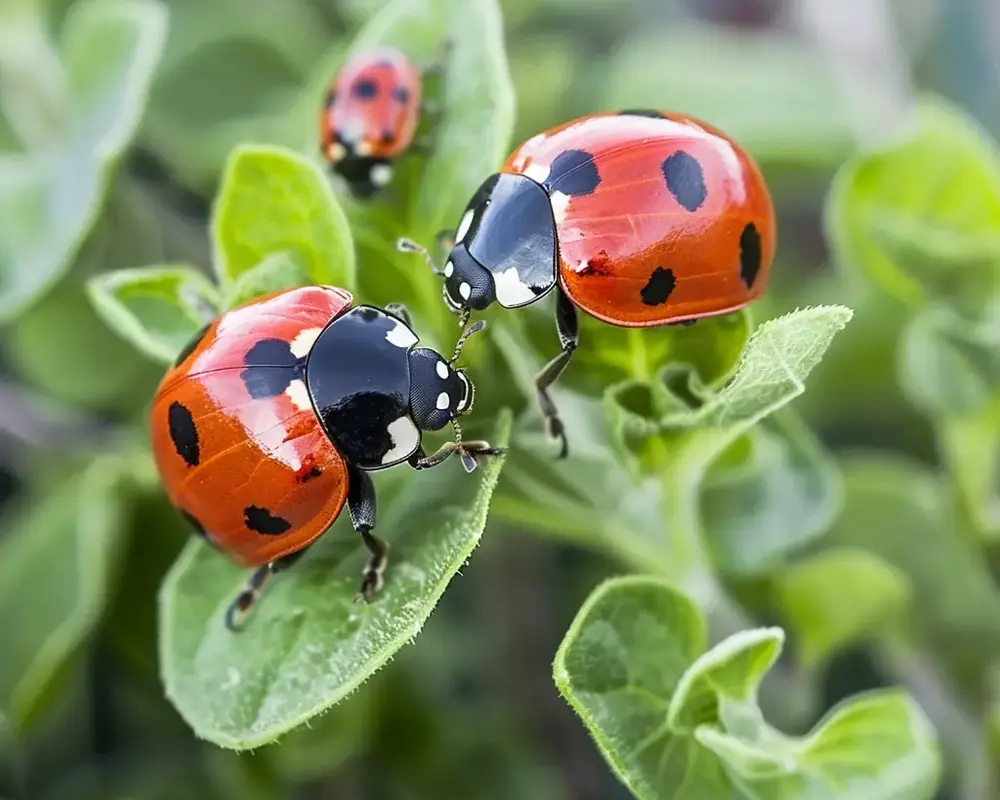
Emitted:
pixel 804 493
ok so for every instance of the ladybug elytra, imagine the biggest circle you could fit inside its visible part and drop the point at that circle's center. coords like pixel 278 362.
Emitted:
pixel 638 218
pixel 273 416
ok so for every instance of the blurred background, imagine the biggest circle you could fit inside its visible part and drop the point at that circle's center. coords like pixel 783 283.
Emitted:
pixel 469 709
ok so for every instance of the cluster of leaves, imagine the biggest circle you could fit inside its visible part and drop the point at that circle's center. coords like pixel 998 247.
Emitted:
pixel 686 464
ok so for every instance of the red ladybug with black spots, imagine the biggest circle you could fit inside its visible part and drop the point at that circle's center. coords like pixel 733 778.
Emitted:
pixel 274 415
pixel 638 218
pixel 370 117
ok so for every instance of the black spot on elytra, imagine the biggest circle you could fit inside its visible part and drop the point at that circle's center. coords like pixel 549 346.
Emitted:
pixel 659 287
pixel 364 89
pixel 191 346
pixel 401 95
pixel 313 472
pixel 271 367
pixel 573 173
pixel 262 521
pixel 183 433
pixel 642 112
pixel 685 179
pixel 749 254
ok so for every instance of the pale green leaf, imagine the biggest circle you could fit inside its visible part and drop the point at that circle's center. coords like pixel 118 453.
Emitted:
pixel 110 48
pixel 57 565
pixel 273 200
pixel 920 215
pixel 780 496
pixel 157 309
pixel 770 91
pixel 810 596
pixel 310 644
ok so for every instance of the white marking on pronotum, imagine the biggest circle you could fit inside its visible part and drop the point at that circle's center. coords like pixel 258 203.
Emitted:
pixel 560 206
pixel 442 370
pixel 449 269
pixel 511 290
pixel 362 148
pixel 443 401
pixel 400 335
pixel 404 437
pixel 380 174
pixel 465 290
pixel 537 171
pixel 336 151
pixel 463 226
pixel 303 342
pixel 299 395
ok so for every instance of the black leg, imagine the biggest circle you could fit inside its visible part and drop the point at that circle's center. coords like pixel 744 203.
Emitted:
pixel 240 608
pixel 568 327
pixel 361 504
pixel 401 311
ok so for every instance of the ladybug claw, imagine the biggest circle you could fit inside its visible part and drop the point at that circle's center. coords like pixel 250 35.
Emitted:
pixel 554 428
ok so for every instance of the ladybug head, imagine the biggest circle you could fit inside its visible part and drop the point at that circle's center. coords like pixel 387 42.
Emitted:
pixel 439 393
pixel 505 247
pixel 353 159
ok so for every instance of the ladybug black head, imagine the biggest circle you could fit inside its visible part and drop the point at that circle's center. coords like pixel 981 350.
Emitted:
pixel 467 284
pixel 438 392
pixel 364 174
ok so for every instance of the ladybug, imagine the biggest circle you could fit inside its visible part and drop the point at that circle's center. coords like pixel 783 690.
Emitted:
pixel 370 117
pixel 272 417
pixel 637 218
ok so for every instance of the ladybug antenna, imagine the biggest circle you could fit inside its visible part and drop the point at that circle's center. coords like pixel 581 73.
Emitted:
pixel 465 335
pixel 405 245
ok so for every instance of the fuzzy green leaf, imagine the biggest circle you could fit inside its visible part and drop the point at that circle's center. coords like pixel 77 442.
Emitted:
pixel 675 722
pixel 56 567
pixel 921 216
pixel 810 595
pixel 273 200
pixel 277 272
pixel 782 494
pixel 970 445
pixel 50 200
pixel 904 513
pixel 309 644
pixel 157 309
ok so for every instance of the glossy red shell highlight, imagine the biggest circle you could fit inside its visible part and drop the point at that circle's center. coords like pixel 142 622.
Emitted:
pixel 630 241
pixel 264 454
pixel 384 117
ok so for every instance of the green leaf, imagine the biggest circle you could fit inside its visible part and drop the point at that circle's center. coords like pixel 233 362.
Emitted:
pixel 50 200
pixel 56 566
pixel 772 92
pixel 948 365
pixel 675 722
pixel 157 309
pixel 782 494
pixel 277 272
pixel 970 446
pixel 52 347
pixel 310 644
pixel 892 505
pixel 468 140
pixel 273 200
pixel 920 216
pixel 810 595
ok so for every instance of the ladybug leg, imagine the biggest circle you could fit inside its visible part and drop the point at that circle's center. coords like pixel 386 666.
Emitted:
pixel 473 454
pixel 362 506
pixel 568 327
pixel 240 608
pixel 401 311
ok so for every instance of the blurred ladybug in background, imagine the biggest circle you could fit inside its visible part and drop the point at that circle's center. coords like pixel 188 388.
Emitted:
pixel 638 218
pixel 273 416
pixel 370 117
